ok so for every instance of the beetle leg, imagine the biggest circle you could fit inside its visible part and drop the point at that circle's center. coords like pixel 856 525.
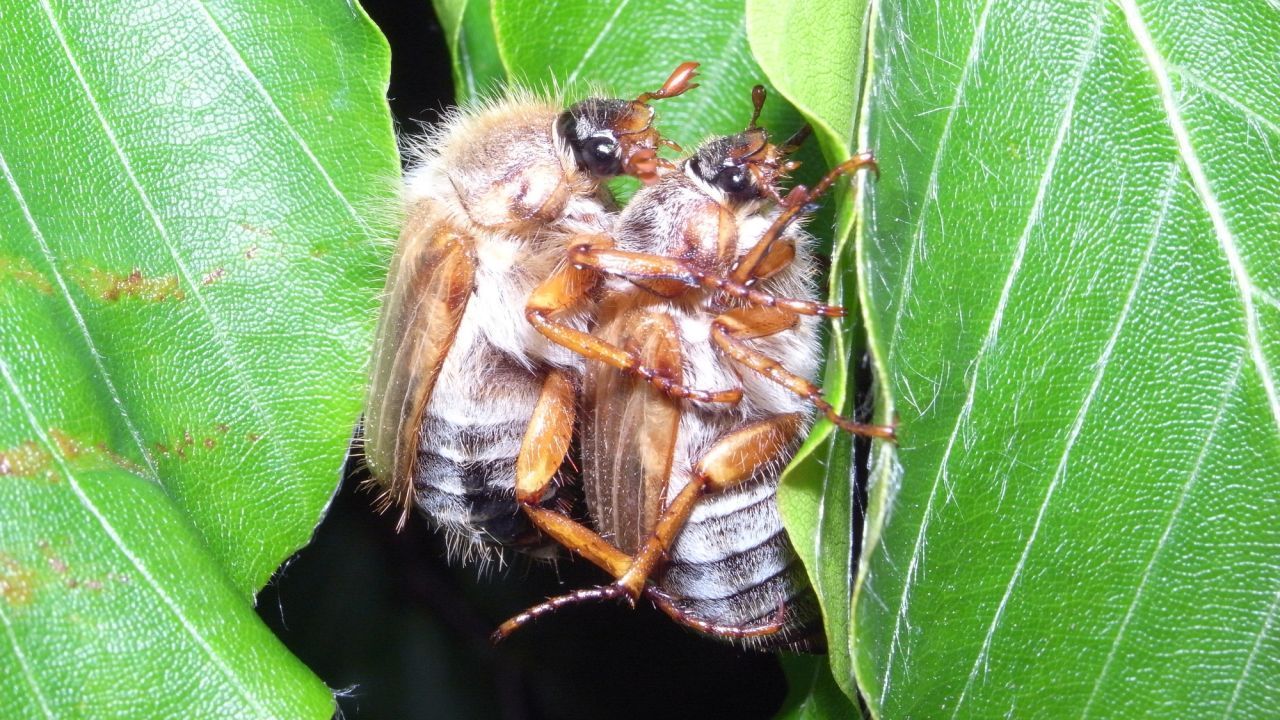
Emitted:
pixel 545 444
pixel 644 270
pixel 569 286
pixel 660 599
pixel 667 604
pixel 797 202
pixel 546 440
pixel 779 256
pixel 732 460
pixel 730 332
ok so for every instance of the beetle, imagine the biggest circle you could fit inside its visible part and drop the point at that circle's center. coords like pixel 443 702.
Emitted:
pixel 494 198
pixel 711 287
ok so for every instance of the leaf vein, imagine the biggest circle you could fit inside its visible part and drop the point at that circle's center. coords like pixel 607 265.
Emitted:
pixel 931 191
pixel 591 49
pixel 1159 68
pixel 38 234
pixel 1196 81
pixel 989 343
pixel 1253 654
pixel 931 186
pixel 162 231
pixel 27 673
pixel 109 529
pixel 234 53
pixel 1194 475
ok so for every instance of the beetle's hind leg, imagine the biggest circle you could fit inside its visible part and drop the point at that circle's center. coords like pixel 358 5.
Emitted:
pixel 732 460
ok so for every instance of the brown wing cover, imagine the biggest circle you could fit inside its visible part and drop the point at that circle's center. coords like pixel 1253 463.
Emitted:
pixel 629 430
pixel 431 278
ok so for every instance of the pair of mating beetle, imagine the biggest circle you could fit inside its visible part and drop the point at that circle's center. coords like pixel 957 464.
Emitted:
pixel 677 336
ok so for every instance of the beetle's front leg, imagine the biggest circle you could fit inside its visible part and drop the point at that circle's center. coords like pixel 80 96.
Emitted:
pixel 569 286
pixel 660 274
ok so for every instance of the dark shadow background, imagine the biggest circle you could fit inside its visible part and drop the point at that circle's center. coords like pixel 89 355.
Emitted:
pixel 381 617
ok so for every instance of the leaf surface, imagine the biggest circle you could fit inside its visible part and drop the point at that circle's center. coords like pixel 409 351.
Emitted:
pixel 794 41
pixel 187 293
pixel 1070 269
pixel 468 28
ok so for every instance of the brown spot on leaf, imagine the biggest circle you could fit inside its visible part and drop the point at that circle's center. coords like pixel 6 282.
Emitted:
pixel 256 230
pixel 251 252
pixel 113 286
pixel 32 460
pixel 56 563
pixel 25 460
pixel 69 447
pixel 184 446
pixel 17 583
pixel 21 271
pixel 213 276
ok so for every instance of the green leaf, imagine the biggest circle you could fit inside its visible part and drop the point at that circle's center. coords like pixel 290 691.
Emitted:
pixel 468 28
pixel 187 294
pixel 813 693
pixel 1071 266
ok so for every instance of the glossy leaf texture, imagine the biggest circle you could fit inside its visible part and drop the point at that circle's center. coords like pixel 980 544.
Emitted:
pixel 1070 269
pixel 188 285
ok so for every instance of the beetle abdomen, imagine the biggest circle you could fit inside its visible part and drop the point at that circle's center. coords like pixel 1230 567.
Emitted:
pixel 467 448
pixel 733 565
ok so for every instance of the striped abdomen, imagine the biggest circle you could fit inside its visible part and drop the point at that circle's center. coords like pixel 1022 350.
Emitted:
pixel 733 565
pixel 464 481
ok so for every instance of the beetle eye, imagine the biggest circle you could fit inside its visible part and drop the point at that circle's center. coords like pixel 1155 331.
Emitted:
pixel 600 155
pixel 734 180
pixel 602 149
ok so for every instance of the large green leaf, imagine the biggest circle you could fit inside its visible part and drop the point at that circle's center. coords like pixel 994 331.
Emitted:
pixel 1071 269
pixel 187 291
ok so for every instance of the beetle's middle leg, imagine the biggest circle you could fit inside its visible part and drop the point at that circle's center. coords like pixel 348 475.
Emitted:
pixel 668 277
pixel 731 330
pixel 542 452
